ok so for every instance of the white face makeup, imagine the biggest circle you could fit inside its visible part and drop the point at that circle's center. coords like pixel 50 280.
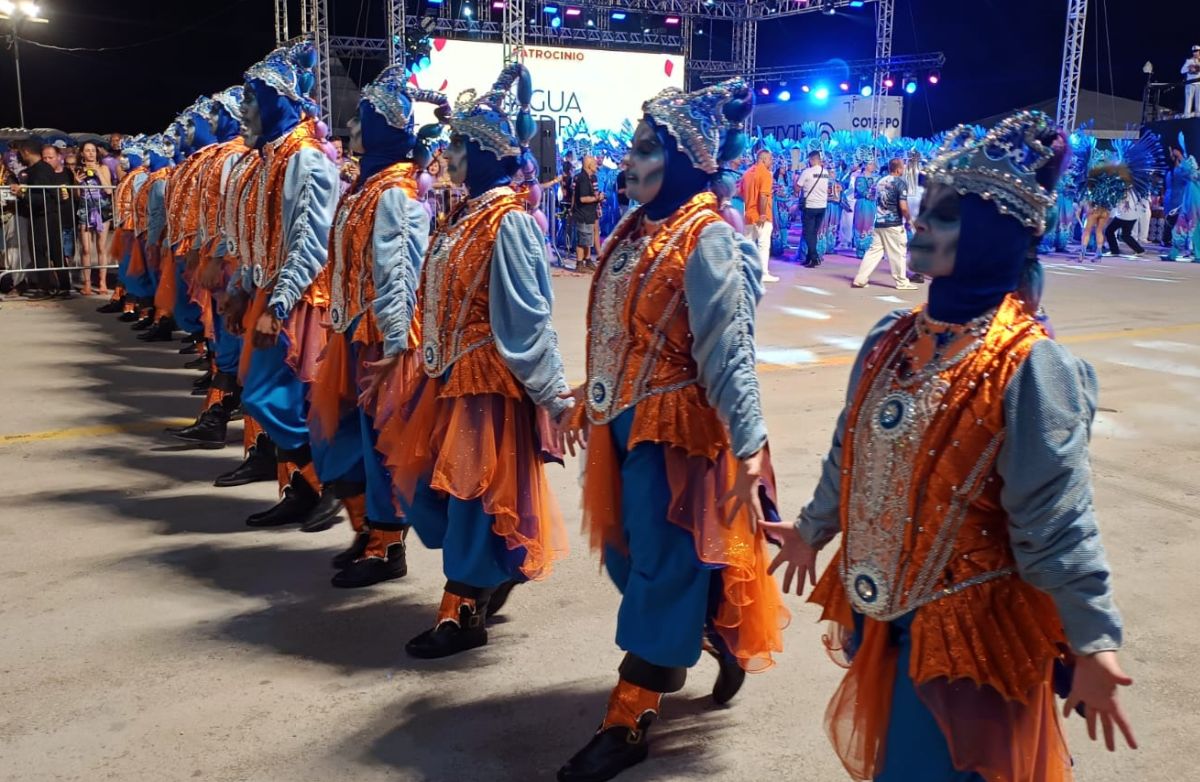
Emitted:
pixel 933 249
pixel 647 165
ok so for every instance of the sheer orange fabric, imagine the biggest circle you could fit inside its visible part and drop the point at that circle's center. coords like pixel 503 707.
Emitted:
pixel 137 258
pixel 164 294
pixel 250 432
pixel 628 703
pixel 332 396
pixel 858 715
pixel 356 509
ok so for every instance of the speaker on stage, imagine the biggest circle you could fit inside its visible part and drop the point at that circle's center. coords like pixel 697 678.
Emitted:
pixel 545 150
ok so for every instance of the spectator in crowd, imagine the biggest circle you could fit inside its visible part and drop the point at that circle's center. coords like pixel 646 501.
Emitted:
pixel 49 209
pixel 1191 78
pixel 622 196
pixel 812 187
pixel 758 188
pixel 587 213
pixel 1177 181
pixel 891 230
pixel 567 200
pixel 109 159
pixel 93 214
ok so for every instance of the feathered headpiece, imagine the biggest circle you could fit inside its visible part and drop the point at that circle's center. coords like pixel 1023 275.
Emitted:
pixel 231 99
pixel 134 146
pixel 289 71
pixel 1001 167
pixel 484 119
pixel 1145 161
pixel 708 123
pixel 161 144
pixel 392 95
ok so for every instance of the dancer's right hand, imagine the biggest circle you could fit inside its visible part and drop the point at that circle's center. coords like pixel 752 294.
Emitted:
pixel 567 433
pixel 800 558
pixel 1097 679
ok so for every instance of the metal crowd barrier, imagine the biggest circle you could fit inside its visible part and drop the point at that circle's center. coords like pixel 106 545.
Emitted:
pixel 42 236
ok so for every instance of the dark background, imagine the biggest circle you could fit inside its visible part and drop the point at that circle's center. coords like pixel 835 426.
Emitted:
pixel 1001 54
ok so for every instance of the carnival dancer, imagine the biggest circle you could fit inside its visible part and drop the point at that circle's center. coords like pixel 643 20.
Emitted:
pixel 672 420
pixel 466 441
pixel 864 209
pixel 971 577
pixel 139 277
pixel 133 155
pixel 380 236
pixel 152 210
pixel 293 199
pixel 218 127
pixel 198 144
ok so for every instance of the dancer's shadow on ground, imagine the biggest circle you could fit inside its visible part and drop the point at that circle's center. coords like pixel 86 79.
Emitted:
pixel 210 514
pixel 525 735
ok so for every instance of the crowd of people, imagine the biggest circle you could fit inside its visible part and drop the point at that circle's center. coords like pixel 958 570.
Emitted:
pixel 390 350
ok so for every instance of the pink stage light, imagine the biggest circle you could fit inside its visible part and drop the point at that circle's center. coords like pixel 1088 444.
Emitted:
pixel 672 20
pixel 844 86
pixel 574 11
pixel 498 5
pixel 935 77
pixel 889 82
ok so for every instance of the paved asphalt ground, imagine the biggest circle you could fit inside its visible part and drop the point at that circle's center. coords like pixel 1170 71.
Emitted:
pixel 147 634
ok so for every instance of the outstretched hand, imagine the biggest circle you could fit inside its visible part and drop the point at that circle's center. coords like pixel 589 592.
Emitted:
pixel 800 558
pixel 376 372
pixel 567 433
pixel 1097 677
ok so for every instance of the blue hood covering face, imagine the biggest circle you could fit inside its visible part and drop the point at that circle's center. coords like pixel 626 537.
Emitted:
pixel 485 170
pixel 135 161
pixel 991 257
pixel 279 114
pixel 383 145
pixel 158 162
pixel 681 180
pixel 227 128
pixel 202 132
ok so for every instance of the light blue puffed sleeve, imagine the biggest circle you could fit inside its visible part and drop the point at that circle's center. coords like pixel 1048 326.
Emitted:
pixel 209 232
pixel 521 300
pixel 722 284
pixel 156 212
pixel 310 195
pixel 398 242
pixel 820 520
pixel 1049 406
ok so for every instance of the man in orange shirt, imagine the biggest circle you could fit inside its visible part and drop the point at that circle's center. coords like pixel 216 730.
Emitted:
pixel 758 189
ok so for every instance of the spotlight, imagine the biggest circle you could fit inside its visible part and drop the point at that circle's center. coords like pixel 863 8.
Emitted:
pixel 700 31
pixel 889 82
pixel 785 96
pixel 591 23
pixel 551 10
pixel 436 2
pixel 765 90
pixel 844 86
pixel 821 93
pixel 910 85
pixel 866 91
pixel 466 11
pixel 574 11
pixel 8 7
pixel 671 20
pixel 805 88
pixel 618 16
pixel 857 3
pixel 645 31
pixel 935 77
pixel 30 9
pixel 556 22
pixel 497 5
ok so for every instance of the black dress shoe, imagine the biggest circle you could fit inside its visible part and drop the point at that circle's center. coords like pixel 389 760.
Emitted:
pixel 236 413
pixel 325 515
pixel 161 332
pixel 373 570
pixel 204 381
pixel 259 465
pixel 116 305
pixel 730 678
pixel 356 550
pixel 609 753
pixel 209 431
pixel 129 317
pixel 297 502
pixel 500 597
pixel 190 349
pixel 143 324
pixel 199 362
pixel 450 638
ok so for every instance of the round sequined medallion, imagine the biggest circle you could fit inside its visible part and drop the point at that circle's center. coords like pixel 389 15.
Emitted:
pixel 621 261
pixel 868 589
pixel 259 274
pixel 336 316
pixel 599 393
pixel 893 415
pixel 430 356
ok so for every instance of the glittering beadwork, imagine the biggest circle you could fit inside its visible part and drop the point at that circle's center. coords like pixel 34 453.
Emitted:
pixel 695 119
pixel 287 70
pixel 483 118
pixel 392 95
pixel 230 99
pixel 899 408
pixel 1000 167
pixel 439 351
pixel 338 307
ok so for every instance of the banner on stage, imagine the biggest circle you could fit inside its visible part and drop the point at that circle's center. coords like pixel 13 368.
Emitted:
pixel 602 87
pixel 847 112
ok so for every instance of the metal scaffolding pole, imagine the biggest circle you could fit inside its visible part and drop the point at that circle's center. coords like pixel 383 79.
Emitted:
pixel 1072 64
pixel 281 22
pixel 317 22
pixel 512 30
pixel 885 14
pixel 395 31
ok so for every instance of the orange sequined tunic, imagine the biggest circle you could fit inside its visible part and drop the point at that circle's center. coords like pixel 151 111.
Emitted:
pixel 183 199
pixel 924 531
pixel 212 184
pixel 141 201
pixel 640 358
pixel 351 280
pixel 123 199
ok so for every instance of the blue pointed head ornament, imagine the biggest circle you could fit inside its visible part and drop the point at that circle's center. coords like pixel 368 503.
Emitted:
pixel 708 124
pixel 289 71
pixel 392 96
pixel 229 101
pixel 488 121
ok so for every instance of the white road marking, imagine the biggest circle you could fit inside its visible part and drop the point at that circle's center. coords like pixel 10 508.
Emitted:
pixel 807 314
pixel 891 299
pixel 1155 364
pixel 786 356
pixel 1147 279
pixel 841 341
pixel 1167 346
pixel 814 291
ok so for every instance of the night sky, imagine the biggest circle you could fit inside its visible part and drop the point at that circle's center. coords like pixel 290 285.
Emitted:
pixel 1001 54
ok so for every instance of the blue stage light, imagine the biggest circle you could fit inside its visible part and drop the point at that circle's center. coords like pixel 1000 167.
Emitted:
pixel 910 86
pixel 618 16
pixel 821 93
pixel 556 22
pixel 857 3
pixel 866 91
pixel 550 9
pixel 785 96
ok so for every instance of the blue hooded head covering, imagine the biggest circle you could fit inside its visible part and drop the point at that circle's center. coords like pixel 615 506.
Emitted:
pixel 988 265
pixel 279 114
pixel 486 171
pixel 158 161
pixel 202 131
pixel 383 145
pixel 227 126
pixel 681 179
